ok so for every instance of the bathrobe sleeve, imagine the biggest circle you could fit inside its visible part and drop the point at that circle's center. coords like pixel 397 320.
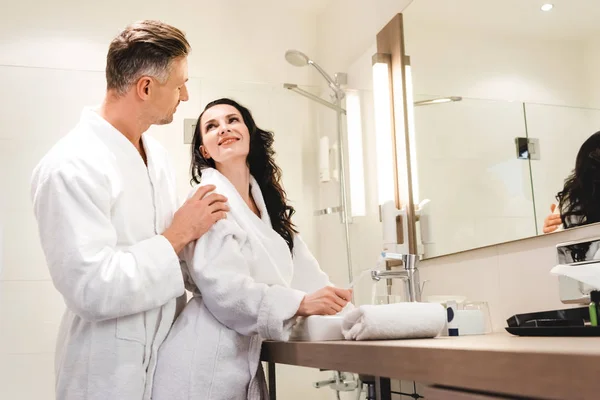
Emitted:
pixel 72 205
pixel 308 275
pixel 223 276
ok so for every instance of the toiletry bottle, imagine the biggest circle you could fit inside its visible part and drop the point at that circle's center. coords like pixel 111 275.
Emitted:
pixel 594 307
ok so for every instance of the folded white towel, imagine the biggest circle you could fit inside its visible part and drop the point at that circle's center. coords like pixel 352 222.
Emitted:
pixel 394 321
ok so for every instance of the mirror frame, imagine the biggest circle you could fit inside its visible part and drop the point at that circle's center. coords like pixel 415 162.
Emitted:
pixel 390 40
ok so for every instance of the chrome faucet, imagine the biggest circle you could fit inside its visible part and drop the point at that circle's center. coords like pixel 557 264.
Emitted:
pixel 410 274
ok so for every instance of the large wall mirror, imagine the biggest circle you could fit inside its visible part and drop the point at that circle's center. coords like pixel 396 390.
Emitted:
pixel 505 94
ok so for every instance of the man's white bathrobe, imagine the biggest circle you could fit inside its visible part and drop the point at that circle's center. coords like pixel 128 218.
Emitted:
pixel 247 288
pixel 100 211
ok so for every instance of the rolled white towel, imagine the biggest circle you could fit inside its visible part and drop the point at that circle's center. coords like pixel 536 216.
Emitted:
pixel 394 321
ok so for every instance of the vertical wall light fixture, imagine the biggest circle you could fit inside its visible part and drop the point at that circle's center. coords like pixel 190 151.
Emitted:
pixel 384 122
pixel 355 153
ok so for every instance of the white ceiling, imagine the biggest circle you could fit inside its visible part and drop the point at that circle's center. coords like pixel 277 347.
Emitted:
pixel 569 19
pixel 313 6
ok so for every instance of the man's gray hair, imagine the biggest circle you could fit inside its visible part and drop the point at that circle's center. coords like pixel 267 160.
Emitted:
pixel 145 48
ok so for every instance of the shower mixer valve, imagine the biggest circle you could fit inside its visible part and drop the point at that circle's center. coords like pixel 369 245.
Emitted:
pixel 340 382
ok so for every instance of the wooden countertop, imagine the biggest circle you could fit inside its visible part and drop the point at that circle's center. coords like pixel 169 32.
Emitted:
pixel 549 368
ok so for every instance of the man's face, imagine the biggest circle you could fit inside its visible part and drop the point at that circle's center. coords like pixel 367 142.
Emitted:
pixel 166 96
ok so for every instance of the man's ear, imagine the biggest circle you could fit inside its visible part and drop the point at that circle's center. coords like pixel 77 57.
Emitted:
pixel 144 87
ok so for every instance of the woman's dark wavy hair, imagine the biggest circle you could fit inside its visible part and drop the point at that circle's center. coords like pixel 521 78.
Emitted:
pixel 262 167
pixel 579 201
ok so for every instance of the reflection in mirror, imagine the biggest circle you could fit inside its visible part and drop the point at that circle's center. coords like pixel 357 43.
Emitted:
pixel 568 146
pixel 479 192
pixel 503 102
pixel 575 261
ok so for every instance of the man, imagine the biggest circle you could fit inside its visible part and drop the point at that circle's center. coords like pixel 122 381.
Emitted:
pixel 105 201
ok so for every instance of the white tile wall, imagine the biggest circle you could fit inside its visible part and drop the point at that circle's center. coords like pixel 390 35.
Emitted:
pixel 23 258
pixel 30 313
pixel 27 376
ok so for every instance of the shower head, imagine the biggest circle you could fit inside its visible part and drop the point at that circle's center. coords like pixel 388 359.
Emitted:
pixel 297 58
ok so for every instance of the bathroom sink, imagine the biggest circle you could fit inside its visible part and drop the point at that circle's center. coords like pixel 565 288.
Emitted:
pixel 318 328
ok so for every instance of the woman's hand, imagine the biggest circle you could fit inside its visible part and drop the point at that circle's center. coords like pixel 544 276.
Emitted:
pixel 327 301
pixel 552 221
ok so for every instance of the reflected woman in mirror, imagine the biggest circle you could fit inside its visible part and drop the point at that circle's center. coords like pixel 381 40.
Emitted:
pixel 579 201
pixel 251 274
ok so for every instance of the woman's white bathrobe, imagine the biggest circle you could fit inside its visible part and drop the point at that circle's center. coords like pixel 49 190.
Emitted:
pixel 100 213
pixel 247 289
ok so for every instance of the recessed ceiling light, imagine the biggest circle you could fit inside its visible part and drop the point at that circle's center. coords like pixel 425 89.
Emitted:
pixel 547 7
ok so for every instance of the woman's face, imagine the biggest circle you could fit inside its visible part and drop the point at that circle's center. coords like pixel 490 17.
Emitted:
pixel 225 136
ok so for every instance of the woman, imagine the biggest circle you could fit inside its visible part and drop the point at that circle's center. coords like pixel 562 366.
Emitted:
pixel 579 201
pixel 250 274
